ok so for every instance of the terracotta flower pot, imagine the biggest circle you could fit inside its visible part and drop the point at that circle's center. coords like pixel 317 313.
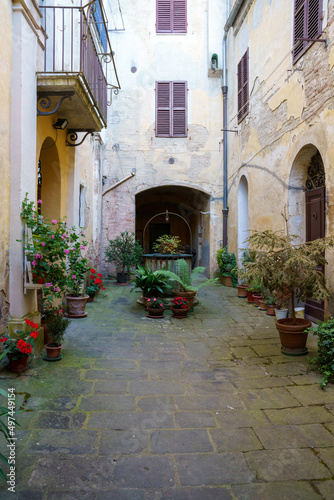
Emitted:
pixel 257 299
pixel 17 365
pixel 155 313
pixel 293 336
pixel 91 298
pixel 226 280
pixel 76 306
pixel 262 305
pixel 53 350
pixel 180 313
pixel 250 298
pixel 189 296
pixel 271 310
pixel 242 292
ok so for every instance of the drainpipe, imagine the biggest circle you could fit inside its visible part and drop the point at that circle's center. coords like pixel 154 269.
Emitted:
pixel 230 19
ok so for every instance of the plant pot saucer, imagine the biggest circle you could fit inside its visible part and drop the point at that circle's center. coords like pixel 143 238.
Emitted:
pixel 52 359
pixel 76 315
pixel 122 284
pixel 294 352
pixel 155 317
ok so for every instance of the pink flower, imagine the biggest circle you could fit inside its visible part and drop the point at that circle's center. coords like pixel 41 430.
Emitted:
pixel 82 247
pixel 48 284
pixel 54 221
pixel 65 235
pixel 148 300
pixel 43 244
pixel 33 263
pixel 37 256
pixel 66 251
pixel 56 289
pixel 74 277
pixel 154 300
pixel 53 237
pixel 39 201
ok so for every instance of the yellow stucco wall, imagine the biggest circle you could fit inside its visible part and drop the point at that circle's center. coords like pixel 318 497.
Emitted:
pixel 5 103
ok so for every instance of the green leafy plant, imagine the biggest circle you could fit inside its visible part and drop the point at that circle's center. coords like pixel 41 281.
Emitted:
pixel 325 354
pixel 287 269
pixel 124 251
pixel 151 283
pixel 185 277
pixel 57 325
pixel 227 264
pixel 167 244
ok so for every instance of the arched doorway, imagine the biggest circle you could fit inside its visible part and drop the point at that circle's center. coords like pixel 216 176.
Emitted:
pixel 191 219
pixel 243 219
pixel 49 180
pixel 307 206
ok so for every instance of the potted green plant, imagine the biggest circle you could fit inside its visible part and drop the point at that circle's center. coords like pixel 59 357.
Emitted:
pixel 77 267
pixel 184 279
pixel 292 270
pixel 19 349
pixel 271 305
pixel 57 326
pixel 155 308
pixel 151 283
pixel 167 244
pixel 246 257
pixel 324 359
pixel 180 307
pixel 227 266
pixel 125 253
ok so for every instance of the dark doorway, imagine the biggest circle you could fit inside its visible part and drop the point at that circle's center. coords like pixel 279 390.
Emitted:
pixel 156 230
pixel 315 228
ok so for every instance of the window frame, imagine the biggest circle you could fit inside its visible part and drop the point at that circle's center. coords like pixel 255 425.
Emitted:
pixel 299 5
pixel 171 29
pixel 243 86
pixel 172 109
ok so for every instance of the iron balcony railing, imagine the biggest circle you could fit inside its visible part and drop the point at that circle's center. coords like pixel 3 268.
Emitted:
pixel 77 43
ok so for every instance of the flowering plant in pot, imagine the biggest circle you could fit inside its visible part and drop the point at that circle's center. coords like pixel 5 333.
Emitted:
pixel 19 349
pixel 290 269
pixel 77 267
pixel 95 284
pixel 155 308
pixel 125 253
pixel 180 307
pixel 57 326
pixel 166 244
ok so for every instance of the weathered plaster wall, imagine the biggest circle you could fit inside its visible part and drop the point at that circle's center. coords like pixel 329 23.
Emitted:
pixel 142 58
pixel 291 106
pixel 5 102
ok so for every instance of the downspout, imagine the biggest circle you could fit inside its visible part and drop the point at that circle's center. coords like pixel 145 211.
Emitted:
pixel 230 20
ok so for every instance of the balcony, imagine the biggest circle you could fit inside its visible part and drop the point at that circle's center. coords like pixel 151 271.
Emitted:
pixel 76 57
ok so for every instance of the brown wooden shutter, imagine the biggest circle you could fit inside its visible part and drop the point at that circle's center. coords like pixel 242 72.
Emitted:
pixel 163 109
pixel 179 109
pixel 179 16
pixel 307 24
pixel 164 19
pixel 243 86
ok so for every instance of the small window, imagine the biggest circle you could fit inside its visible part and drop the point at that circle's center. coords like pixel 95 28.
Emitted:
pixel 82 206
pixel 243 87
pixel 171 16
pixel 171 109
pixel 307 25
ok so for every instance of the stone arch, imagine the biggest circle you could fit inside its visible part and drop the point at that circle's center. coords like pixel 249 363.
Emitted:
pixel 190 203
pixel 49 179
pixel 243 215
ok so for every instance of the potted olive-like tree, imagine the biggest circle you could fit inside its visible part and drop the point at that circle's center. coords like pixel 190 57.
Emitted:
pixel 126 253
pixel 291 270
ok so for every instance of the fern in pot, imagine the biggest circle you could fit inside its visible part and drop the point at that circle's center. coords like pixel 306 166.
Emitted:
pixel 57 326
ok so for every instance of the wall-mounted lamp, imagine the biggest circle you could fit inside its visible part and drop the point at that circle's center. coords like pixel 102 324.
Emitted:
pixel 61 123
pixel 167 216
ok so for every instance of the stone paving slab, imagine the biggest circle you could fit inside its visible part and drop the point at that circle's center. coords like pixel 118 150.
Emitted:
pixel 203 408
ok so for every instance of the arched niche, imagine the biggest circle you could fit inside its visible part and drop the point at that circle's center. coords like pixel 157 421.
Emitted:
pixel 243 216
pixel 49 180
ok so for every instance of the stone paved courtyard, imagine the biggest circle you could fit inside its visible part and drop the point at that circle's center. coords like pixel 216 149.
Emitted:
pixel 197 409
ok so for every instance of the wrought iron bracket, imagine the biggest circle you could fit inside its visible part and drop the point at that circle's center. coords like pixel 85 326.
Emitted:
pixel 44 101
pixel 72 137
pixel 228 130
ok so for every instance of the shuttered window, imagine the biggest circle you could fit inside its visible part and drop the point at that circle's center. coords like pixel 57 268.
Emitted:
pixel 171 109
pixel 307 24
pixel 171 16
pixel 243 87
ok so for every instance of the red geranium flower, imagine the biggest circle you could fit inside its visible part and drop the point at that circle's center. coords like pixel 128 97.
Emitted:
pixel 100 275
pixel 34 335
pixel 93 271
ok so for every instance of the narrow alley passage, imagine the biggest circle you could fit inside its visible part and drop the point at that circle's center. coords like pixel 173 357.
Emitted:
pixel 201 408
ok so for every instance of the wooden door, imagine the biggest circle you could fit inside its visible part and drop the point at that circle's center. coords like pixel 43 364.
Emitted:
pixel 315 228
